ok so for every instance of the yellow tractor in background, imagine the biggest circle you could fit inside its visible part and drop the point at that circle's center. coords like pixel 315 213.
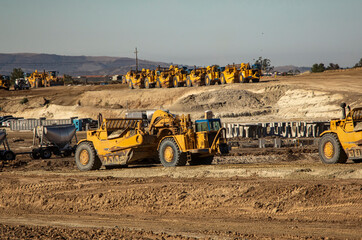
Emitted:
pixel 157 136
pixel 165 78
pixel 212 75
pixel 44 79
pixel 151 77
pixel 243 73
pixel 196 77
pixel 4 82
pixel 248 73
pixel 344 139
pixel 127 77
pixel 137 79
pixel 180 76
pixel 230 74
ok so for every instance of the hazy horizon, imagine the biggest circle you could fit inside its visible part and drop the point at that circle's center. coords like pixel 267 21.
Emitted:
pixel 298 33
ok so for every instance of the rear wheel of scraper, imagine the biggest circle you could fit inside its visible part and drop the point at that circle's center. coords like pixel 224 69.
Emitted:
pixel 86 157
pixel 9 155
pixel 222 79
pixel 147 83
pixel 45 153
pixel 130 85
pixel 330 149
pixel 170 154
pixel 188 82
pixel 207 81
pixel 176 83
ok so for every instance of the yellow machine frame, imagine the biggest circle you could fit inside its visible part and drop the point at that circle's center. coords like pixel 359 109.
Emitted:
pixel 343 140
pixel 127 141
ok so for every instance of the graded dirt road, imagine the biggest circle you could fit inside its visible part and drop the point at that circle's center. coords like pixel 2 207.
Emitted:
pixel 297 201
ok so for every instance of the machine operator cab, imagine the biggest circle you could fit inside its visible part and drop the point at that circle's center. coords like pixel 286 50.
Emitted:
pixel 204 125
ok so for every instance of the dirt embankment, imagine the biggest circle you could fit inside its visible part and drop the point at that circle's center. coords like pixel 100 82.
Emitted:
pixel 308 97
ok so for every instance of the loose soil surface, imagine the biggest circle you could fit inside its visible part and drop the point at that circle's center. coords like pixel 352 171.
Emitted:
pixel 251 193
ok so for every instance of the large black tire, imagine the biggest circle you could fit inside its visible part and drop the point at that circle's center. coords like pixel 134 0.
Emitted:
pixel 175 82
pixel 201 160
pixel 222 79
pixel 207 81
pixel 330 149
pixel 45 153
pixel 255 80
pixel 188 82
pixel 8 155
pixel 35 154
pixel 86 157
pixel 147 83
pixel 170 154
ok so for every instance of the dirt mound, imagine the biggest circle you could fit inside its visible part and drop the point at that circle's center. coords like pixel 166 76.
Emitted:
pixel 217 100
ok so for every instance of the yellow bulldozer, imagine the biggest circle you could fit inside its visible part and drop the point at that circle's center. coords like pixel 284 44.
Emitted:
pixel 137 79
pixel 248 73
pixel 196 77
pixel 165 78
pixel 230 74
pixel 151 77
pixel 163 137
pixel 179 76
pixel 212 75
pixel 4 82
pixel 243 73
pixel 344 139
pixel 44 79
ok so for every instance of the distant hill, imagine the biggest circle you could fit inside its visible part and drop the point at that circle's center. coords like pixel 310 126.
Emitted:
pixel 72 65
pixel 86 65
pixel 291 67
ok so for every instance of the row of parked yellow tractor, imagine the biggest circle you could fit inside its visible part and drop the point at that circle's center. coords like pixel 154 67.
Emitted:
pixel 176 76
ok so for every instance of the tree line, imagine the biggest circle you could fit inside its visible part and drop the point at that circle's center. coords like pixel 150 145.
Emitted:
pixel 332 66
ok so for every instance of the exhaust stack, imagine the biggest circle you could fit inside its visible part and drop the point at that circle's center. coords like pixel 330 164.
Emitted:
pixel 343 106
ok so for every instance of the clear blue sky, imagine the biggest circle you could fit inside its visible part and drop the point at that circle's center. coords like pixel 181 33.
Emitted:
pixel 187 32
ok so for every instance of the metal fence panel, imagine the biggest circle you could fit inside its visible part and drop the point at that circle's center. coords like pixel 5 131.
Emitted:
pixel 30 124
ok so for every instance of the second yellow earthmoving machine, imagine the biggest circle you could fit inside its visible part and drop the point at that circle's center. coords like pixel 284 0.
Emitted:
pixel 170 139
pixel 44 79
pixel 4 82
pixel 179 76
pixel 240 73
pixel 196 77
pixel 344 139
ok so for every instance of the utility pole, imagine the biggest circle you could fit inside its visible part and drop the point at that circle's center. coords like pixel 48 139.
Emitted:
pixel 136 60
